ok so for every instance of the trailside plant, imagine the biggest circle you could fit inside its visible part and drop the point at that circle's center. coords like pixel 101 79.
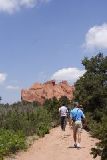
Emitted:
pixel 18 121
pixel 10 142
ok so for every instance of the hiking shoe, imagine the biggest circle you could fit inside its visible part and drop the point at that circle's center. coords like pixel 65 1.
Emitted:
pixel 75 145
pixel 78 146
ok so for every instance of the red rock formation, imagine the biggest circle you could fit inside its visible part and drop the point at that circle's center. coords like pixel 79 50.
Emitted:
pixel 40 92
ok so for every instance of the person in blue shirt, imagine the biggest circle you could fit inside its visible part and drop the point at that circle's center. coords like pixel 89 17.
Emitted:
pixel 77 116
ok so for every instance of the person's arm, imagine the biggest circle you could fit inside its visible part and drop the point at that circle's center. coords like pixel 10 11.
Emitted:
pixel 59 111
pixel 71 121
pixel 84 120
pixel 66 111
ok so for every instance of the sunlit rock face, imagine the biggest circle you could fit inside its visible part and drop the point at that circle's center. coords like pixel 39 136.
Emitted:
pixel 40 92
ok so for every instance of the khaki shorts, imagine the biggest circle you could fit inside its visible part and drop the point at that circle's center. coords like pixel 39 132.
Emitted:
pixel 77 126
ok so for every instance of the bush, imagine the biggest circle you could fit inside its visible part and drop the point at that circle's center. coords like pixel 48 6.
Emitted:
pixel 18 121
pixel 10 142
pixel 101 133
pixel 26 118
pixel 43 121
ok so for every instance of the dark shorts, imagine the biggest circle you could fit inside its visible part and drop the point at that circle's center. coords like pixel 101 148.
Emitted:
pixel 63 122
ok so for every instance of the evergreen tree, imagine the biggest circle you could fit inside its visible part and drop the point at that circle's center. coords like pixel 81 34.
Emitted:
pixel 91 91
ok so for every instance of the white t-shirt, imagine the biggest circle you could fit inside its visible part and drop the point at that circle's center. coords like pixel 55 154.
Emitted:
pixel 63 111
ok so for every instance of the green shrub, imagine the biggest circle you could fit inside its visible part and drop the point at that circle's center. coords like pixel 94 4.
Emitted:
pixel 10 142
pixel 17 119
pixel 42 129
pixel 101 133
pixel 26 118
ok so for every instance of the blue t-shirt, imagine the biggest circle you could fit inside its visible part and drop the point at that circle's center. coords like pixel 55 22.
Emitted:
pixel 77 114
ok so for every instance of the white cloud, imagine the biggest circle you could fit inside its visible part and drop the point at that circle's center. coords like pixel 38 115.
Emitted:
pixel 96 37
pixel 11 6
pixel 2 77
pixel 69 74
pixel 10 87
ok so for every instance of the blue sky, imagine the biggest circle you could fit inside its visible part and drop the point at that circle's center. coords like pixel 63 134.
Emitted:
pixel 47 39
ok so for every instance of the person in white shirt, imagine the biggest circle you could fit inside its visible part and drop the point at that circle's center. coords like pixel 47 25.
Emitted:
pixel 63 114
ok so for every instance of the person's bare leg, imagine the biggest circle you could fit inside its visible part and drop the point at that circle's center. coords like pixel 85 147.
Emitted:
pixel 70 122
pixel 79 137
pixel 75 137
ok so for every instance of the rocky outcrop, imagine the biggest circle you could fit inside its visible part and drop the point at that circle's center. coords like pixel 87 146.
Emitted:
pixel 40 92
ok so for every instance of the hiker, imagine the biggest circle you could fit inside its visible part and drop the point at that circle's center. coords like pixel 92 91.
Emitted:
pixel 63 115
pixel 77 116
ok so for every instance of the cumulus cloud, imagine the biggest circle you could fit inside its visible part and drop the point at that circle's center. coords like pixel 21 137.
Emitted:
pixel 2 77
pixel 11 6
pixel 10 87
pixel 69 74
pixel 96 37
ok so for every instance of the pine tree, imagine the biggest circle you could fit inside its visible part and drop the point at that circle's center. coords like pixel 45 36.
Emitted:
pixel 91 91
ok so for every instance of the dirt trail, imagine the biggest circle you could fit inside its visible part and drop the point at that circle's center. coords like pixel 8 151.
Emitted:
pixel 56 146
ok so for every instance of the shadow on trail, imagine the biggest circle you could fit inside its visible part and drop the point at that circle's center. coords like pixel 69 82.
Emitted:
pixel 67 135
pixel 75 147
